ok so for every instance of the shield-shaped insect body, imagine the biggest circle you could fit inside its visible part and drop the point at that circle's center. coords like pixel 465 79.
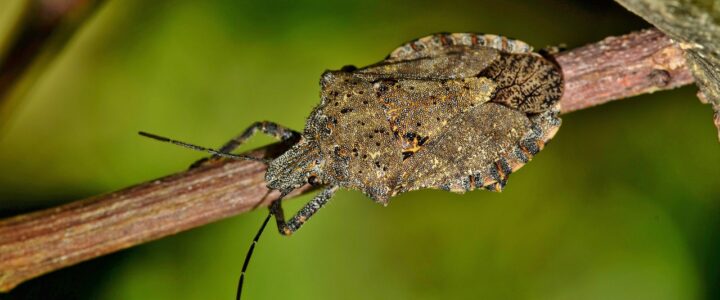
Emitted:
pixel 451 111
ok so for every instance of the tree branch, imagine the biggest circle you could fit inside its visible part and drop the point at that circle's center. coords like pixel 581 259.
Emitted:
pixel 40 242
pixel 621 67
pixel 696 27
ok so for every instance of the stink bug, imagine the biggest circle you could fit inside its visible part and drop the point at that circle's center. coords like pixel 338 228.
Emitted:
pixel 451 111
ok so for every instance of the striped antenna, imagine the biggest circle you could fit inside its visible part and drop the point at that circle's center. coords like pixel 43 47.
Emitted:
pixel 249 254
pixel 199 148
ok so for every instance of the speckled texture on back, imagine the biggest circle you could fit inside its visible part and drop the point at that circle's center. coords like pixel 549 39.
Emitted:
pixel 448 111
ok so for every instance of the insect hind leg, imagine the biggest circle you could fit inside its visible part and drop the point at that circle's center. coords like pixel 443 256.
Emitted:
pixel 289 227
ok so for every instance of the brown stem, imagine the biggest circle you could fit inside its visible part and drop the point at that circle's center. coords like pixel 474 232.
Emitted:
pixel 43 241
pixel 620 67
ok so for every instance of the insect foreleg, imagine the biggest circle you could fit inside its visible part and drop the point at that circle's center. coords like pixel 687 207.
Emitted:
pixel 270 128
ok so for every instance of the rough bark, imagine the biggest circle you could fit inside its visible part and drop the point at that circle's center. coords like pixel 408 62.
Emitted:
pixel 43 241
pixel 620 67
pixel 695 25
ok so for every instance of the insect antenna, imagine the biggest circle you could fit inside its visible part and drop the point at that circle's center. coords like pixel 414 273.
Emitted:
pixel 199 148
pixel 248 255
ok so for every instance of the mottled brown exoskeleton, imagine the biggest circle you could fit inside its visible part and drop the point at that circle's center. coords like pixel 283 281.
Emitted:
pixel 448 111
pixel 453 111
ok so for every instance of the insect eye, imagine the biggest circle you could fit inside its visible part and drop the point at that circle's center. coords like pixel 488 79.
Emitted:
pixel 312 180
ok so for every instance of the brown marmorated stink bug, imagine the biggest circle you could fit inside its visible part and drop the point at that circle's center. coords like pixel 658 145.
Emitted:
pixel 451 111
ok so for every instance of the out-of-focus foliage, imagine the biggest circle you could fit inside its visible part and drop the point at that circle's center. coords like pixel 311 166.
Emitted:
pixel 623 204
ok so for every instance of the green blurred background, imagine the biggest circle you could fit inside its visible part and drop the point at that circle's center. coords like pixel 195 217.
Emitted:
pixel 623 204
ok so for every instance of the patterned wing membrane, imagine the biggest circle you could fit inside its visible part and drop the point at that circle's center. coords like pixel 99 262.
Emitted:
pixel 526 82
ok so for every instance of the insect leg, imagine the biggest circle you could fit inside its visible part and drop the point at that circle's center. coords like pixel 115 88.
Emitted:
pixel 270 128
pixel 266 127
pixel 289 227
